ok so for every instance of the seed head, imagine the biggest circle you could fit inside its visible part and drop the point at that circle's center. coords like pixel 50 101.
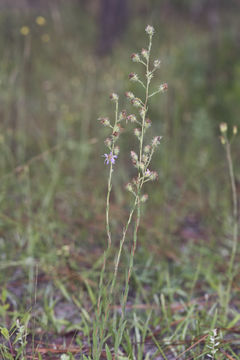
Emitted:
pixel 149 30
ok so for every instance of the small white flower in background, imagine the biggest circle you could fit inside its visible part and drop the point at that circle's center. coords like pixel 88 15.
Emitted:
pixel 157 63
pixel 149 30
pixel 64 357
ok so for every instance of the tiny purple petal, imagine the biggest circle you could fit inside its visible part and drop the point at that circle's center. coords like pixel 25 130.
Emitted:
pixel 110 158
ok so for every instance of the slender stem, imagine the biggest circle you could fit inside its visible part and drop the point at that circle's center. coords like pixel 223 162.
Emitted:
pixel 109 237
pixel 105 256
pixel 121 245
pixel 235 224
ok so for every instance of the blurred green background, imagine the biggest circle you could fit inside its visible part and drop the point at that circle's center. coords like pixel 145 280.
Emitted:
pixel 60 60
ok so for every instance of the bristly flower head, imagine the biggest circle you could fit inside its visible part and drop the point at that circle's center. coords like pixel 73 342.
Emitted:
pixel 235 130
pixel 163 87
pixel 131 118
pixel 157 63
pixel 149 30
pixel 135 57
pixel 144 198
pixel 104 121
pixel 145 53
pixel 156 140
pixel 132 76
pixel 110 158
pixel 129 95
pixel 113 97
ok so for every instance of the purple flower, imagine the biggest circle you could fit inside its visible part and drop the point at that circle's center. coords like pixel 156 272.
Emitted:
pixel 147 172
pixel 110 158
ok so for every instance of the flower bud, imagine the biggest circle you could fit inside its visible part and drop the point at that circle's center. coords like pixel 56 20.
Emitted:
pixel 136 102
pixel 142 112
pixel 113 97
pixel 133 77
pixel 135 57
pixel 144 198
pixel 147 149
pixel 223 140
pixel 141 166
pixel 149 30
pixel 157 63
pixel 129 187
pixel 223 127
pixel 144 158
pixel 131 118
pixel 145 54
pixel 104 121
pixel 163 87
pixel 123 115
pixel 116 150
pixel 156 140
pixel 153 176
pixel 108 142
pixel 148 123
pixel 129 95
pixel 235 130
pixel 137 132
pixel 134 156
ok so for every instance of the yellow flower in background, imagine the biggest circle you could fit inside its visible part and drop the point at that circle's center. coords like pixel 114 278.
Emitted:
pixel 235 130
pixel 40 20
pixel 24 30
pixel 45 38
pixel 223 127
